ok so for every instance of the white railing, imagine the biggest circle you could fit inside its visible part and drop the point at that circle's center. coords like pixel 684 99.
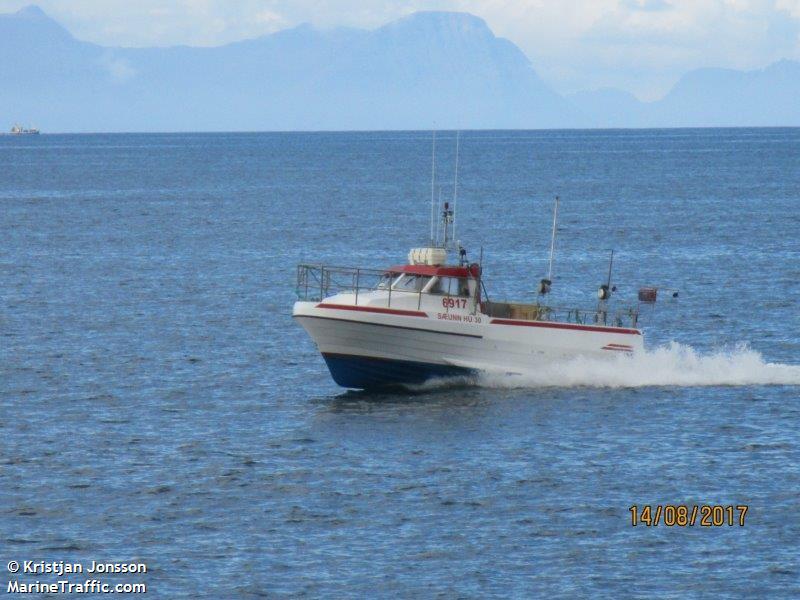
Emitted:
pixel 317 282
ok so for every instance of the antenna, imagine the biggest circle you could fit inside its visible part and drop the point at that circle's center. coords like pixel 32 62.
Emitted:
pixel 544 284
pixel 447 219
pixel 553 240
pixel 433 184
pixel 476 305
pixel 455 186
pixel 438 212
pixel 604 293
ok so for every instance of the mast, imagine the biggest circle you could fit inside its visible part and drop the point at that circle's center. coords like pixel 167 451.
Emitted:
pixel 447 219
pixel 553 240
pixel 455 186
pixel 610 265
pixel 433 185
pixel 438 212
pixel 544 284
pixel 604 293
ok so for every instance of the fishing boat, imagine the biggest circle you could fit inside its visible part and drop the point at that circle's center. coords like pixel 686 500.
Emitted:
pixel 433 318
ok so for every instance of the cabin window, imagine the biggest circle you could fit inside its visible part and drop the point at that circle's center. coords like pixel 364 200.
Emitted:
pixel 451 286
pixel 385 282
pixel 411 283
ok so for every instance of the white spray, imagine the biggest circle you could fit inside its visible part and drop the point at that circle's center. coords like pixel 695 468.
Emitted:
pixel 673 365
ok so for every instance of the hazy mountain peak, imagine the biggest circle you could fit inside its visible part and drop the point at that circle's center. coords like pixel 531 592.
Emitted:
pixel 706 97
pixel 440 17
pixel 30 25
pixel 441 22
pixel 32 11
pixel 784 66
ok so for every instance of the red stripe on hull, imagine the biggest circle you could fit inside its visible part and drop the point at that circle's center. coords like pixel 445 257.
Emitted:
pixel 374 309
pixel 565 326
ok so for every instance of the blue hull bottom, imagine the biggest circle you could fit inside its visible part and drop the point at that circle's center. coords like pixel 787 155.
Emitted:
pixel 363 373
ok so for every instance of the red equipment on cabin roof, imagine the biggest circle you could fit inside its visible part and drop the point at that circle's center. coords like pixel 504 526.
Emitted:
pixel 472 271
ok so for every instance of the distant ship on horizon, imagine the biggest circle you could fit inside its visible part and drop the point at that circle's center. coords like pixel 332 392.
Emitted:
pixel 19 130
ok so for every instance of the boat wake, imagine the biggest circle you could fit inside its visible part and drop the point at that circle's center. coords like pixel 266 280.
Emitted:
pixel 674 364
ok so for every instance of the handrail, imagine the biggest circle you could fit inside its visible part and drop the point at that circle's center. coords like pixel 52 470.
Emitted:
pixel 327 280
pixel 619 317
pixel 317 282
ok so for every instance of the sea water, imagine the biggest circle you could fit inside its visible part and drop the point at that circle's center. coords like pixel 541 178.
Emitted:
pixel 158 405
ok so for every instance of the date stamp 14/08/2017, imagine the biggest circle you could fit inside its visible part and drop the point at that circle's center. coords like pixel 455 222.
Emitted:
pixel 683 515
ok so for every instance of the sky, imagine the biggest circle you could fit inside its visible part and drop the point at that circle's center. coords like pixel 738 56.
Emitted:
pixel 642 46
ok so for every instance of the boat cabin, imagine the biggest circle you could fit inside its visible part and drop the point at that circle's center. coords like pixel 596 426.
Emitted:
pixel 437 280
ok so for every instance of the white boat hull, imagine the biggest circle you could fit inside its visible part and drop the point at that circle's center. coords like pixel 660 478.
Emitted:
pixel 371 346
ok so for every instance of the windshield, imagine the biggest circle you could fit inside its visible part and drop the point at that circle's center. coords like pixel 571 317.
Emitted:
pixel 451 286
pixel 410 283
pixel 386 280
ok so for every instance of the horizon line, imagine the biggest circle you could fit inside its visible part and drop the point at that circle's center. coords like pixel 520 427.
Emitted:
pixel 420 131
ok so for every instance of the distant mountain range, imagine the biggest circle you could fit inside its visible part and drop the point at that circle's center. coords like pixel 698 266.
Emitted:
pixel 428 70
pixel 705 98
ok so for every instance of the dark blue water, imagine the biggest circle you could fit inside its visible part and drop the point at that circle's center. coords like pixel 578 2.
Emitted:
pixel 159 404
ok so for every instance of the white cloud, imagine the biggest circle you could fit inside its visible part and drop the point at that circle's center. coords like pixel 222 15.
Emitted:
pixel 119 69
pixel 646 4
pixel 268 17
pixel 790 6
pixel 645 45
pixel 639 45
